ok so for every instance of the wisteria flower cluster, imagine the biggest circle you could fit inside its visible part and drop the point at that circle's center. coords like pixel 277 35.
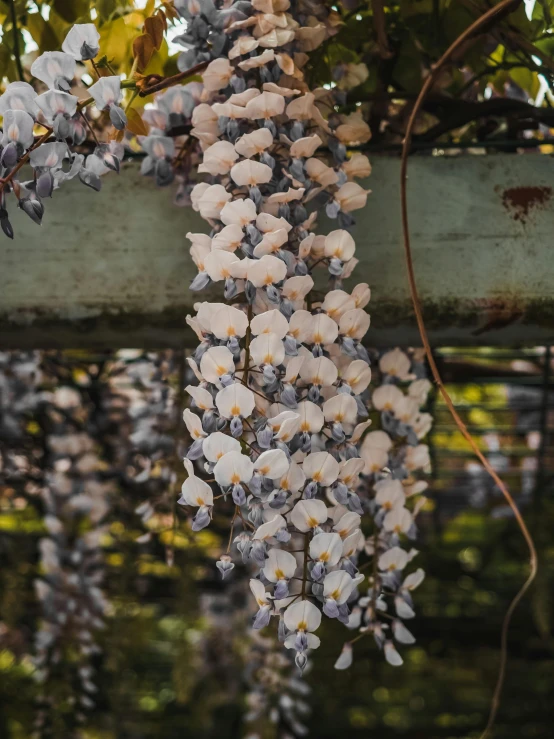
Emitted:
pixel 61 117
pixel 280 407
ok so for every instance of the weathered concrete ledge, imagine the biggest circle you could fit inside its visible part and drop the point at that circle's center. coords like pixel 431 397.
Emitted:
pixel 112 269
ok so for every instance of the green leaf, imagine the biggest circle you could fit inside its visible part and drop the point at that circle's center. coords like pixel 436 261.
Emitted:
pixel 72 10
pixel 116 38
pixel 407 70
pixel 42 33
pixel 105 8
pixel 527 80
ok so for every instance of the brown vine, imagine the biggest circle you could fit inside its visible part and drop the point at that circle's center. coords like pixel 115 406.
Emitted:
pixel 494 14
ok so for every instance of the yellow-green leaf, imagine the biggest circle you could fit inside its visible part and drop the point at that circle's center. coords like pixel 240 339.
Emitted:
pixel 135 124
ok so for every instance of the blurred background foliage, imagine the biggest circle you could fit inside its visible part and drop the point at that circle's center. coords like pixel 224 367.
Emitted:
pixel 172 661
pixel 497 91
pixel 173 649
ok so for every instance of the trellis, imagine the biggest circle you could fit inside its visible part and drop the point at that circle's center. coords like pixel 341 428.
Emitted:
pixel 116 272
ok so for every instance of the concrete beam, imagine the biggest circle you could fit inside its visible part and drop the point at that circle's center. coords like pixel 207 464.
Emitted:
pixel 112 269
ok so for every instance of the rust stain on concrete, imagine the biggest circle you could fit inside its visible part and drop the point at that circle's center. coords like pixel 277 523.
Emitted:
pixel 519 201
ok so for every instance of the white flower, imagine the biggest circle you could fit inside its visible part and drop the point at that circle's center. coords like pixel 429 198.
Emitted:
pixel 218 158
pixel 357 376
pixel 311 417
pixel 321 467
pixel 212 200
pixel 270 528
pixel 401 633
pixel 391 655
pixel 267 349
pixel 357 166
pixel 219 266
pixel 233 468
pixel 250 172
pixel 56 102
pixel 82 41
pixel 228 321
pixel 193 424
pixel 217 75
pixel 417 457
pixel 254 143
pixel 354 324
pixel 272 463
pixel 353 543
pixel 279 565
pixel 419 390
pixel 49 155
pixel 319 371
pixel 265 106
pixel 322 330
pixel 216 445
pixel 406 410
pixel 321 173
pixel 351 197
pixel 201 397
pixel 266 271
pixel 18 128
pixel 305 147
pixel 399 520
pixel 396 363
pixel 345 658
pixel 302 617
pixel 257 61
pixel 106 92
pixel 293 480
pixel 309 514
pixel 243 45
pixel 338 586
pixel 196 492
pixel 350 470
pixel 270 322
pixel 326 548
pixel 216 363
pixel 340 409
pixel 347 524
pixel 340 245
pixel 228 239
pixel 235 400
pixel 413 580
pixel 389 494
pixel 296 288
pixel 238 212
pixel 258 591
pixel 18 96
pixel 264 604
pixel 336 303
pixel 393 559
pixel 302 108
pixel 385 397
pixel 55 68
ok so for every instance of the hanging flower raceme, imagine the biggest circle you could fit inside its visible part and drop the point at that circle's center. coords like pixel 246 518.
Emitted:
pixel 31 120
pixel 283 401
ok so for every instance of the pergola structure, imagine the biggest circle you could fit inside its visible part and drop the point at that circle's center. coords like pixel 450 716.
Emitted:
pixel 112 269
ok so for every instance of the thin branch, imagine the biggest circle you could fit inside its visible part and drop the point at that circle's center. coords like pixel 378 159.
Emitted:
pixel 494 14
pixel 380 29
pixel 175 80
pixel 247 347
pixel 89 126
pixel 9 178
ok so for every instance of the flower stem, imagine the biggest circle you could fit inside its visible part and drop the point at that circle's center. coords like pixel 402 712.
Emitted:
pixel 6 180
